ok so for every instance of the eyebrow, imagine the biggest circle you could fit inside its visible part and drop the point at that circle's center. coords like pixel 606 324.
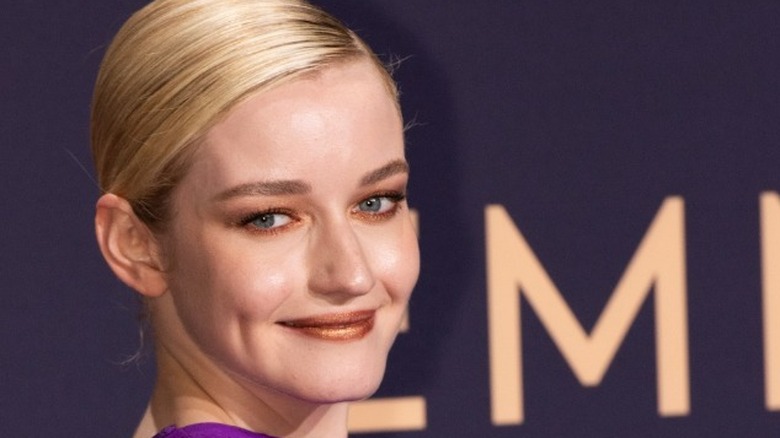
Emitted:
pixel 392 168
pixel 265 188
pixel 298 187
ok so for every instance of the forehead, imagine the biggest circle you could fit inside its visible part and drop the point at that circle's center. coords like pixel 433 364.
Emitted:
pixel 341 115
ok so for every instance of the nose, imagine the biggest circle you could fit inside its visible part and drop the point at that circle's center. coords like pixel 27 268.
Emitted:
pixel 339 269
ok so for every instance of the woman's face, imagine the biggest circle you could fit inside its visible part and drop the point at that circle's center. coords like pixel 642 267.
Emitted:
pixel 292 250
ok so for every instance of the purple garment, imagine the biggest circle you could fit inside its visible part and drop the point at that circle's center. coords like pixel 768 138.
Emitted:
pixel 208 430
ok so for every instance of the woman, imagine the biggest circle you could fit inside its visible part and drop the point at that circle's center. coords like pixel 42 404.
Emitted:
pixel 252 162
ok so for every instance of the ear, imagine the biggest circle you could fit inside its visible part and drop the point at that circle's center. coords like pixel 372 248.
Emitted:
pixel 129 247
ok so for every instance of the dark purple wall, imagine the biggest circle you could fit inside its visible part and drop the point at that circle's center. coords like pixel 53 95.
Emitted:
pixel 578 117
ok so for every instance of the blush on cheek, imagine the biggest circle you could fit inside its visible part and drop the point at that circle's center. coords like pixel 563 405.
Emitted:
pixel 408 255
pixel 269 288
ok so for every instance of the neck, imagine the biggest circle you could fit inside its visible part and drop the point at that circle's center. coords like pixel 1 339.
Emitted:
pixel 180 397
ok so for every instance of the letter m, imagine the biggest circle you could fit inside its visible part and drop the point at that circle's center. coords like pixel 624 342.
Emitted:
pixel 515 271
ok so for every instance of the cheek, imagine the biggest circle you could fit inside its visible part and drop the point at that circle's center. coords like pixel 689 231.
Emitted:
pixel 227 282
pixel 398 264
pixel 224 299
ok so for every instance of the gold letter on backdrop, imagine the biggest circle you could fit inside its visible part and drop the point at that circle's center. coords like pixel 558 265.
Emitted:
pixel 770 271
pixel 514 270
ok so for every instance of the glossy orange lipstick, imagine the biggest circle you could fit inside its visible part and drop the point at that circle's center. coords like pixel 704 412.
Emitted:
pixel 348 326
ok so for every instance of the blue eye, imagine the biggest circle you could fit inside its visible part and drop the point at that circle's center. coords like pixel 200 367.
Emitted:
pixel 380 205
pixel 372 205
pixel 267 221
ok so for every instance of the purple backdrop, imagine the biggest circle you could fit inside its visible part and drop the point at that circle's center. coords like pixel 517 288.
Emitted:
pixel 579 118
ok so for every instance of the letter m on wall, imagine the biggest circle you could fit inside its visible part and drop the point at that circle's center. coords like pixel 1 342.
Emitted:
pixel 514 271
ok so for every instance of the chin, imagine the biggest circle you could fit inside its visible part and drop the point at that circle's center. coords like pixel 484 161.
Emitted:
pixel 344 387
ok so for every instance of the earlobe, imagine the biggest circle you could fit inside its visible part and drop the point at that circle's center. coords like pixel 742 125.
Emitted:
pixel 129 247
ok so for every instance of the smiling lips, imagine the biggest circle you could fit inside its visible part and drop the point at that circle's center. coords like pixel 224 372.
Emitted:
pixel 336 327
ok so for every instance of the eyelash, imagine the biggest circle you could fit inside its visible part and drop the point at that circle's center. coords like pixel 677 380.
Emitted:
pixel 246 221
pixel 395 197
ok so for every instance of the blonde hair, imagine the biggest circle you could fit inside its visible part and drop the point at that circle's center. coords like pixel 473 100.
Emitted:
pixel 177 66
